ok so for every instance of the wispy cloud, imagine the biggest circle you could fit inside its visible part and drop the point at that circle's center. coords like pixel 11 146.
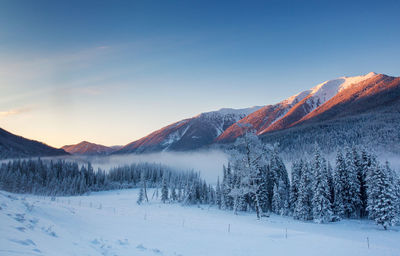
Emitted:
pixel 13 112
pixel 17 69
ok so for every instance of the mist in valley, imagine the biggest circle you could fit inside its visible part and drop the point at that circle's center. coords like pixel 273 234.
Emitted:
pixel 208 162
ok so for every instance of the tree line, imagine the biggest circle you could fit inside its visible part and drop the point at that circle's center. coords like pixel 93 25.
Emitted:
pixel 357 186
pixel 66 178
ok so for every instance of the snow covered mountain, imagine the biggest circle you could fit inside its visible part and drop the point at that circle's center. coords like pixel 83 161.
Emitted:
pixel 288 112
pixel 13 146
pixel 316 97
pixel 328 103
pixel 261 119
pixel 188 134
pixel 366 113
pixel 365 96
pixel 88 148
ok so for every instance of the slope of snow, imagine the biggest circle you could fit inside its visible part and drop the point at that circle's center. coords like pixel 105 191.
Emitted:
pixel 231 112
pixel 243 111
pixel 355 79
pixel 174 137
pixel 111 223
pixel 296 98
pixel 326 90
pixel 290 102
pixel 225 116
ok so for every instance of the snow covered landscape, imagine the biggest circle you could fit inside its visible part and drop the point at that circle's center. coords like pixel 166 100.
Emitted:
pixel 111 223
pixel 199 128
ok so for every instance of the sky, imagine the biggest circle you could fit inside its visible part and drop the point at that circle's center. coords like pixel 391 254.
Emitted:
pixel 111 72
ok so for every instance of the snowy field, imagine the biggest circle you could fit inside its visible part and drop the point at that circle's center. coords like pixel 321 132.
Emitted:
pixel 111 223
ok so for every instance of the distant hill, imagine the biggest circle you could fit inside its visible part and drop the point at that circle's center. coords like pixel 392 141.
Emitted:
pixel 88 148
pixel 13 146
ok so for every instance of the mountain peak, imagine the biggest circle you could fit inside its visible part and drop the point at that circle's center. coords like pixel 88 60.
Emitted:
pixel 227 124
pixel 87 148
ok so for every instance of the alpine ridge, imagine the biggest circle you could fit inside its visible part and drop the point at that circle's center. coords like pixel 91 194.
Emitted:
pixel 289 111
pixel 189 134
pixel 14 146
pixel 88 148
pixel 332 102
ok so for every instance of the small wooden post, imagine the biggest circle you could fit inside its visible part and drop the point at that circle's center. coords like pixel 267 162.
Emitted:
pixel 368 242
pixel 229 228
pixel 286 234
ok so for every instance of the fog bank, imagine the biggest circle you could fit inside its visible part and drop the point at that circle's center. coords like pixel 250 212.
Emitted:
pixel 209 163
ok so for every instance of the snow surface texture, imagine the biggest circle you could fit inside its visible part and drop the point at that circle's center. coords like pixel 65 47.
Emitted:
pixel 296 98
pixel 111 223
pixel 232 111
pixel 326 90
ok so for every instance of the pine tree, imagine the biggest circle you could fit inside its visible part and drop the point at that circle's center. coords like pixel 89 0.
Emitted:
pixel 351 193
pixel 365 165
pixel 226 188
pixel 303 207
pixel 141 196
pixel 322 211
pixel 381 196
pixel 174 196
pixel 218 195
pixel 338 183
pixel 276 201
pixel 164 191
pixel 262 191
pixel 330 183
pixel 295 180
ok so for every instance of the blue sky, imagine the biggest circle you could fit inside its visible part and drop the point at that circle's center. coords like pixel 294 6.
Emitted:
pixel 111 72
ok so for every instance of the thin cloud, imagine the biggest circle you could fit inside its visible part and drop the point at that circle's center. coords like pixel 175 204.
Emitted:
pixel 13 112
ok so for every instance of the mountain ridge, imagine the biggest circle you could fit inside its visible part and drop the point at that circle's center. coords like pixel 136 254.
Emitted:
pixel 224 126
pixel 14 146
pixel 190 133
pixel 89 148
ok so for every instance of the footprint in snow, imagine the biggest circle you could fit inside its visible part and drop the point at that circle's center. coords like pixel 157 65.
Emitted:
pixel 95 241
pixel 22 229
pixel 20 217
pixel 156 251
pixel 32 223
pixel 49 231
pixel 102 246
pixel 141 247
pixel 123 242
pixel 25 242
